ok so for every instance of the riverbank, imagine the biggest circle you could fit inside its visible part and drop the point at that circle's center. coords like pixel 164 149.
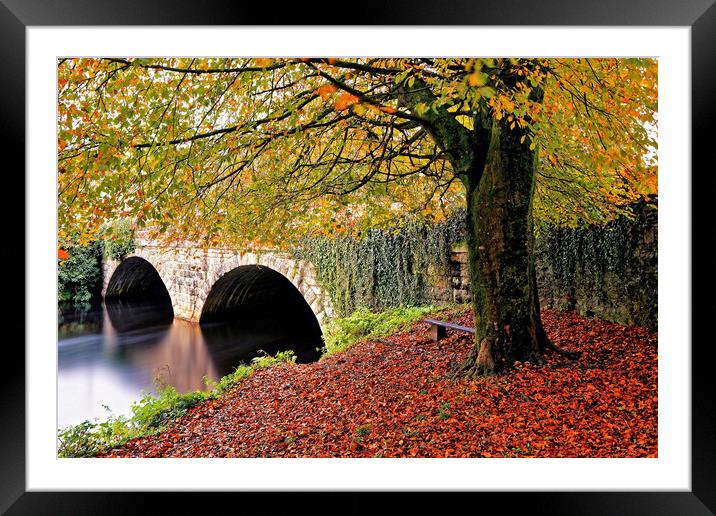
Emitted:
pixel 393 397
pixel 168 396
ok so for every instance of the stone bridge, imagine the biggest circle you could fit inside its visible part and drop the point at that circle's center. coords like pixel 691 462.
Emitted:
pixel 203 282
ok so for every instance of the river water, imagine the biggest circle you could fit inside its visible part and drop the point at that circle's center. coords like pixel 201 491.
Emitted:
pixel 110 356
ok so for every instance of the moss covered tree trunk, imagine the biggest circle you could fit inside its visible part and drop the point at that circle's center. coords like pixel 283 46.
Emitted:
pixel 500 252
pixel 497 166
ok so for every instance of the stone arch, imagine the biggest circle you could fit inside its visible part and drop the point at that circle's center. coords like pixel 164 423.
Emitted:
pixel 165 261
pixel 252 292
pixel 134 277
pixel 189 273
pixel 300 274
pixel 135 283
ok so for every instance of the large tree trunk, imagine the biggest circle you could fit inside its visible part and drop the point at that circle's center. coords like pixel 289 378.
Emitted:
pixel 500 250
pixel 497 166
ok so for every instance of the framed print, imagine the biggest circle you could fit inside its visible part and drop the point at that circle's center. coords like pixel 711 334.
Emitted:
pixel 668 473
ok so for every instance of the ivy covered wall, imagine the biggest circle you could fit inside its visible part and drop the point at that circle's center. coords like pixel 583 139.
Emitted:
pixel 381 269
pixel 607 271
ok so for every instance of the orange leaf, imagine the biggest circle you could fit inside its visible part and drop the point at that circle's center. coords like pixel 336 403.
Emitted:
pixel 62 254
pixel 326 90
pixel 344 100
pixel 388 109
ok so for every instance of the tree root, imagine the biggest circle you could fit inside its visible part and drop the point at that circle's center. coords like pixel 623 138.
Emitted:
pixel 572 355
pixel 467 369
pixel 473 367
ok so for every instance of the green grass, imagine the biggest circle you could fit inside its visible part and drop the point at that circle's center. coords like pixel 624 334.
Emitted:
pixel 151 413
pixel 443 411
pixel 363 430
pixel 363 325
pixel 361 433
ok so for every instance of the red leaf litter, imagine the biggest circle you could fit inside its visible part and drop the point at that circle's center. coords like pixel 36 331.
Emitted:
pixel 395 398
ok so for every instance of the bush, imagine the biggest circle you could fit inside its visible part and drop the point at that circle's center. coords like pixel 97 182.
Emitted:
pixel 118 240
pixel 79 277
pixel 153 412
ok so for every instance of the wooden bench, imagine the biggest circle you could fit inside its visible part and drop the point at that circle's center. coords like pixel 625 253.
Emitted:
pixel 439 329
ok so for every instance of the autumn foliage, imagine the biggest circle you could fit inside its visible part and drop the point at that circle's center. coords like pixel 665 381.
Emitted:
pixel 266 150
pixel 395 398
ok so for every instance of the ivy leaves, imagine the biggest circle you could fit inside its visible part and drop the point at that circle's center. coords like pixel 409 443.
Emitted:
pixel 380 269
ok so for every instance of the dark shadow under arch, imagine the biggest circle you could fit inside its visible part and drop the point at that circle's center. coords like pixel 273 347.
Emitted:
pixel 136 296
pixel 251 291
pixel 254 307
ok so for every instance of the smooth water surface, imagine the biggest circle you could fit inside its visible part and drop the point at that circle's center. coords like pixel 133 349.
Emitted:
pixel 110 356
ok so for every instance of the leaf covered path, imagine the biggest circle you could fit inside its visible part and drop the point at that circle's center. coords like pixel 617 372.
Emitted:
pixel 394 398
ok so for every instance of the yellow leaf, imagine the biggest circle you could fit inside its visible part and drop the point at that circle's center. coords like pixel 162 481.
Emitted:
pixel 358 109
pixel 486 92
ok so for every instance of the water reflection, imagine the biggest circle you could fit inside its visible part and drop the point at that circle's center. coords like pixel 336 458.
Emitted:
pixel 110 355
pixel 72 322
pixel 127 316
pixel 243 340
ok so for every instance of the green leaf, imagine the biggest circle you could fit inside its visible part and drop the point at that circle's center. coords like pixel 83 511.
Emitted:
pixel 486 91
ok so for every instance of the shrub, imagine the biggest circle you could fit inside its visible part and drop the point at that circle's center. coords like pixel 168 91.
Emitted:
pixel 118 239
pixel 79 277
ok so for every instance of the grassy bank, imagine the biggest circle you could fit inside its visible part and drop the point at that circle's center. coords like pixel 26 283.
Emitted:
pixel 363 325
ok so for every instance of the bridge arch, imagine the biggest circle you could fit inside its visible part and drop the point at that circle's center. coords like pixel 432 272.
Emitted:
pixel 136 284
pixel 300 274
pixel 250 292
pixel 136 277
pixel 189 273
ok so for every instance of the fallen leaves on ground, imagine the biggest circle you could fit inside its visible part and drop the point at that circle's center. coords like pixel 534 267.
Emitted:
pixel 395 398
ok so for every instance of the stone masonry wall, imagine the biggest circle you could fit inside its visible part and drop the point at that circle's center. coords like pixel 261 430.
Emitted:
pixel 189 274
pixel 608 271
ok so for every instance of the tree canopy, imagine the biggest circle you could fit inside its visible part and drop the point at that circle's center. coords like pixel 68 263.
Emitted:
pixel 262 151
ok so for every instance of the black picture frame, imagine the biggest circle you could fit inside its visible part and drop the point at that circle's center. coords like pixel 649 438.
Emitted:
pixel 700 15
